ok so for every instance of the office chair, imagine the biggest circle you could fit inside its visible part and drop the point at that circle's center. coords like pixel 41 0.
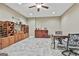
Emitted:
pixel 72 45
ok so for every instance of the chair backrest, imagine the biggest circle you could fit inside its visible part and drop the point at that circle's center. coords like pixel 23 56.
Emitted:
pixel 58 32
pixel 73 40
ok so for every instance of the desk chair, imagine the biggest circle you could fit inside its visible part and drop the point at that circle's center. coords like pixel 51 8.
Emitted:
pixel 72 45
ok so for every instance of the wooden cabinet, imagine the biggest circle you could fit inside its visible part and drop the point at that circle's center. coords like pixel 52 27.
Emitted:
pixel 41 33
pixel 20 36
pixel 6 41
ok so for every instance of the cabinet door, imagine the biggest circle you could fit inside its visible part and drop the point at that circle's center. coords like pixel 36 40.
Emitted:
pixel 0 44
pixel 16 38
pixel 11 40
pixel 26 35
pixel 19 36
pixel 5 42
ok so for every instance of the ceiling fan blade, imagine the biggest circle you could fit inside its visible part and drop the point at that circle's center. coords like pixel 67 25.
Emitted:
pixel 45 7
pixel 32 6
pixel 38 9
pixel 42 3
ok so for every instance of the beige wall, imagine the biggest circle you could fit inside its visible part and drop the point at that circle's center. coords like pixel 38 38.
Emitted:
pixel 6 14
pixel 70 20
pixel 51 23
pixel 31 23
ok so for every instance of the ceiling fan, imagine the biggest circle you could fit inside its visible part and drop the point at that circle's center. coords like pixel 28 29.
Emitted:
pixel 38 6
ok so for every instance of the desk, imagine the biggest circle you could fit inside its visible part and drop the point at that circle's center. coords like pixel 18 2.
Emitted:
pixel 59 37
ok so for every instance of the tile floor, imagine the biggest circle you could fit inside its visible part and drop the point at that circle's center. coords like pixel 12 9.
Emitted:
pixel 32 47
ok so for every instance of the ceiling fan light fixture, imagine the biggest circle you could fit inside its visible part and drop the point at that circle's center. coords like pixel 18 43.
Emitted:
pixel 38 6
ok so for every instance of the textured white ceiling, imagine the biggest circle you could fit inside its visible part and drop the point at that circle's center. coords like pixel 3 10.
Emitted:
pixel 55 9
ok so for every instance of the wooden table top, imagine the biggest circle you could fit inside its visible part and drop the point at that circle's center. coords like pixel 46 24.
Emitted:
pixel 60 36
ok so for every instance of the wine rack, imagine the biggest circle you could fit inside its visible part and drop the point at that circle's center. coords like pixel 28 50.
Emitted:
pixel 1 30
pixel 25 28
pixel 6 28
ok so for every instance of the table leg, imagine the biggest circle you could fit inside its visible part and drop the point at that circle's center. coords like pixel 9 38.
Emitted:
pixel 54 43
pixel 60 40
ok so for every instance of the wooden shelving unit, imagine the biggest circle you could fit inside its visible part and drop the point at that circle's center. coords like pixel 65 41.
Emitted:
pixel 8 28
pixel 25 29
pixel 7 35
pixel 1 31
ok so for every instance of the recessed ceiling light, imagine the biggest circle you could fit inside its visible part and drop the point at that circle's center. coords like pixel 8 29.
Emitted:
pixel 53 12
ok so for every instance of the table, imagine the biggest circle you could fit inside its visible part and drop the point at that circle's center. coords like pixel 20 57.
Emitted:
pixel 58 37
